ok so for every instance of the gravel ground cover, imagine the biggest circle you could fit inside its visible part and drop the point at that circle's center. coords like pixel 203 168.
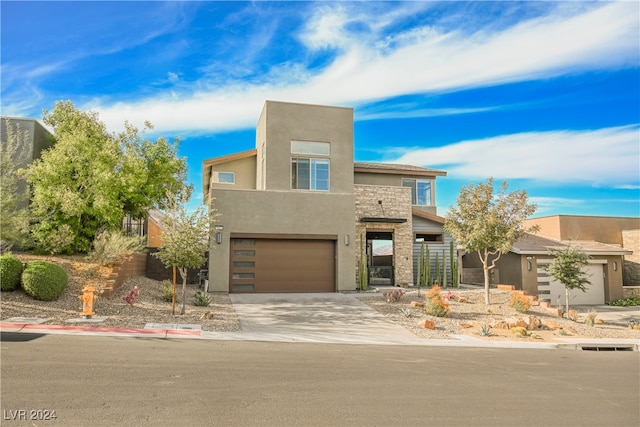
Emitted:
pixel 148 308
pixel 465 318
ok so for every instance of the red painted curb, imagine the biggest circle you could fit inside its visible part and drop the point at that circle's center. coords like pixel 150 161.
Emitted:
pixel 26 327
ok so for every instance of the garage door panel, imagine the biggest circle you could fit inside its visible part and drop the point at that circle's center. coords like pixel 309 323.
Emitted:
pixel 594 294
pixel 286 266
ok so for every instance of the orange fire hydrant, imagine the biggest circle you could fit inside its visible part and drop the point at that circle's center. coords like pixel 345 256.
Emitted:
pixel 88 297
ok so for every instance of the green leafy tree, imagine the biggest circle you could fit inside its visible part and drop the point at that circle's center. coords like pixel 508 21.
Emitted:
pixel 90 178
pixel 14 197
pixel 489 223
pixel 567 267
pixel 185 239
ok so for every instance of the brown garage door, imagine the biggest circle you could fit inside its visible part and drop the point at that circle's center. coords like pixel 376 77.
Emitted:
pixel 282 265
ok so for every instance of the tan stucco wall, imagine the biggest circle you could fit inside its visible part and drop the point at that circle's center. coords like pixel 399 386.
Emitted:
pixel 244 169
pixel 284 212
pixel 574 227
pixel 281 123
pixel 396 203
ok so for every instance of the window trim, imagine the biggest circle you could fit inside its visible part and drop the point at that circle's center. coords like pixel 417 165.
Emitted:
pixel 414 196
pixel 438 235
pixel 312 161
pixel 310 152
pixel 216 177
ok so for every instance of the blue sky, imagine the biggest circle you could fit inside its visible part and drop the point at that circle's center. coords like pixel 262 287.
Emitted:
pixel 545 95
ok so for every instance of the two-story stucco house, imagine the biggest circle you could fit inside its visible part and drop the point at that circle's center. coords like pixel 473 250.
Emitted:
pixel 295 211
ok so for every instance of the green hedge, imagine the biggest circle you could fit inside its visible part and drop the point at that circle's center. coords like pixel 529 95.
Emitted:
pixel 44 280
pixel 10 272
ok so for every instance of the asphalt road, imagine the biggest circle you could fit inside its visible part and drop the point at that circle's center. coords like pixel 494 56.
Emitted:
pixel 110 381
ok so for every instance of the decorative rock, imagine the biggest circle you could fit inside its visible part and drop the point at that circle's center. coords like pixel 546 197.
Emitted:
pixel 555 312
pixel 532 323
pixel 466 325
pixel 520 324
pixel 417 304
pixel 552 325
pixel 427 324
pixel 501 325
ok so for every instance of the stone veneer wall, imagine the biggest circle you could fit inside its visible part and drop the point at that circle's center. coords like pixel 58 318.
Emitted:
pixel 631 268
pixel 396 203
pixel 630 291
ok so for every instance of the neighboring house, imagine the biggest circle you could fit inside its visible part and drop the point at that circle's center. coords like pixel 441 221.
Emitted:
pixel 524 267
pixel 295 211
pixel 38 138
pixel 619 231
pixel 152 228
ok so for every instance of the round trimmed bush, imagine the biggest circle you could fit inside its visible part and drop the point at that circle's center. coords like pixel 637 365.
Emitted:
pixel 44 280
pixel 10 272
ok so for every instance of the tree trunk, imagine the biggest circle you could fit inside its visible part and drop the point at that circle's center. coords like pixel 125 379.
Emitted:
pixel 183 273
pixel 566 296
pixel 487 300
pixel 173 293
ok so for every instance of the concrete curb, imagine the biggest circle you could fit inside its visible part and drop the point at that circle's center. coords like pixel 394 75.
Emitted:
pixel 456 341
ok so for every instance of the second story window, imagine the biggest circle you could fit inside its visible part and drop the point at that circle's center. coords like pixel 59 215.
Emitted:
pixel 312 172
pixel 420 191
pixel 224 177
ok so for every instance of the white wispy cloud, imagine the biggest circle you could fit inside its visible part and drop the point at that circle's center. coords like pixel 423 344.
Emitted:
pixel 428 60
pixel 603 157
pixel 545 205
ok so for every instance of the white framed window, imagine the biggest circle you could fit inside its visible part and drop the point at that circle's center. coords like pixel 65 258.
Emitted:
pixel 311 148
pixel 420 191
pixel 224 177
pixel 310 174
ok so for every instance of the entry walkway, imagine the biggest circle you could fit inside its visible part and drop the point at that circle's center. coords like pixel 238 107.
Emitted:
pixel 316 317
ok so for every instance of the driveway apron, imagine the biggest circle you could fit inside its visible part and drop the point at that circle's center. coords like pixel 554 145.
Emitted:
pixel 316 317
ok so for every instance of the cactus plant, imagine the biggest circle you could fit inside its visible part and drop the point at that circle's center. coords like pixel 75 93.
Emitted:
pixel 455 279
pixel 428 280
pixel 443 273
pixel 363 273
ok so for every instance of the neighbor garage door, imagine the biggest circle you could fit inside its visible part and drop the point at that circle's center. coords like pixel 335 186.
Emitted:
pixel 594 294
pixel 282 265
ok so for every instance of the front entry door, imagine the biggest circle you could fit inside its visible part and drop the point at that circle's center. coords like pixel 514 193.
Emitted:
pixel 380 257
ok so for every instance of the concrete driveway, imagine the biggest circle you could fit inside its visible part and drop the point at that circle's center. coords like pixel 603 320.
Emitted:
pixel 316 317
pixel 611 314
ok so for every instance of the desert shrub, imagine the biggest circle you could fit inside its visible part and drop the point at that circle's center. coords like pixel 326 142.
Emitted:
pixel 43 280
pixel 485 330
pixel 394 295
pixel 590 318
pixel 626 302
pixel 10 272
pixel 167 293
pixel 519 332
pixel 406 312
pixel 572 315
pixel 111 247
pixel 434 304
pixel 519 303
pixel 201 299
